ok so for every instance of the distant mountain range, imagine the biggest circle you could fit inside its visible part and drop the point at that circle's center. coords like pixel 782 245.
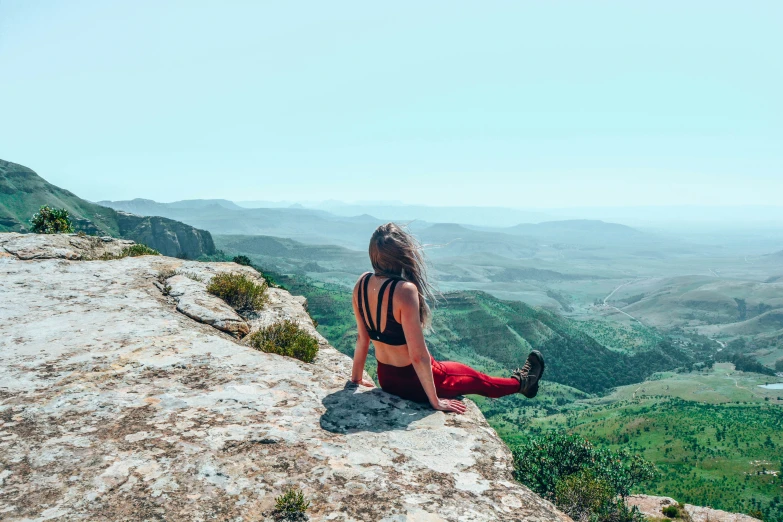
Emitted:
pixel 315 227
pixel 320 227
pixel 23 192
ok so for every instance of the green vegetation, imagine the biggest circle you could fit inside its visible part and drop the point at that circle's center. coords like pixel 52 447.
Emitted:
pixel 22 192
pixel 671 511
pixel 51 221
pixel 631 338
pixel 506 331
pixel 238 290
pixel 286 338
pixel 291 505
pixel 713 436
pixel 585 482
pixel 779 365
pixel 138 250
pixel 131 251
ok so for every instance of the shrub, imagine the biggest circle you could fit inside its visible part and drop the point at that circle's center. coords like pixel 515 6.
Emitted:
pixel 51 221
pixel 132 251
pixel 671 511
pixel 291 505
pixel 568 468
pixel 286 338
pixel 138 250
pixel 582 494
pixel 242 260
pixel 239 291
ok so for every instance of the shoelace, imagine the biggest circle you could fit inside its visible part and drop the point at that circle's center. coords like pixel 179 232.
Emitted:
pixel 524 371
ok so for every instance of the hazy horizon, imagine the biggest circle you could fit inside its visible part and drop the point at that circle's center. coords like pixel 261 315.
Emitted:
pixel 532 106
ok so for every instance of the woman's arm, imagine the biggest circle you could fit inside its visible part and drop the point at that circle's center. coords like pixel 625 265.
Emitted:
pixel 417 349
pixel 362 346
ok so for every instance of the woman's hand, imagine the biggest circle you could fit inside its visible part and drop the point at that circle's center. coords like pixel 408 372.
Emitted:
pixel 450 405
pixel 364 382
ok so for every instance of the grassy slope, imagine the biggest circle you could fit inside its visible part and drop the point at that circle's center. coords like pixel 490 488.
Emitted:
pixel 22 192
pixel 505 332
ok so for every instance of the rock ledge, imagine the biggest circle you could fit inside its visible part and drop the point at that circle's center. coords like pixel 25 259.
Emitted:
pixel 116 406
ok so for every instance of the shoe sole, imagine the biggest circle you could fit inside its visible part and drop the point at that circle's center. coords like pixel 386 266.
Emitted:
pixel 540 358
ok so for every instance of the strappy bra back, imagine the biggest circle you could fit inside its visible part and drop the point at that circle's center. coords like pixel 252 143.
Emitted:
pixel 392 334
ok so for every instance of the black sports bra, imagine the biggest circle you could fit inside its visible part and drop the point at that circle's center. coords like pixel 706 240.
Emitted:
pixel 393 333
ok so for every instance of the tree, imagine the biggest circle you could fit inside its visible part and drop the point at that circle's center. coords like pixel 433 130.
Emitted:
pixel 51 221
pixel 567 468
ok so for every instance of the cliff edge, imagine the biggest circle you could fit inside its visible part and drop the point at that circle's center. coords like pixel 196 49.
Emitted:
pixel 116 405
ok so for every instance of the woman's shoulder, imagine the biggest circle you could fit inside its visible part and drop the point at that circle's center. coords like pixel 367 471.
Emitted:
pixel 361 278
pixel 407 291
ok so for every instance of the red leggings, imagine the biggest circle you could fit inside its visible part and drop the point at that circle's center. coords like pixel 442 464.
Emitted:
pixel 451 380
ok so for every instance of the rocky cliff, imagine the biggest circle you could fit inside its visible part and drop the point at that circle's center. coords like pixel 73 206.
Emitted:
pixel 23 192
pixel 118 402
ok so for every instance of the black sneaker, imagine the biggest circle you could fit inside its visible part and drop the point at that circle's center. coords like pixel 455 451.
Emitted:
pixel 529 375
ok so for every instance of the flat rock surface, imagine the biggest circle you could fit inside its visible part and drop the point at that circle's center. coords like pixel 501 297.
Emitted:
pixel 62 246
pixel 115 406
pixel 652 506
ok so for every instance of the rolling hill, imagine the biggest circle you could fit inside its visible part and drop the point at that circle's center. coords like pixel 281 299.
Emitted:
pixel 497 336
pixel 698 301
pixel 23 192
pixel 580 231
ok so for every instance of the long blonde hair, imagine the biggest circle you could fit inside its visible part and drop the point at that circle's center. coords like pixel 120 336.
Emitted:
pixel 396 253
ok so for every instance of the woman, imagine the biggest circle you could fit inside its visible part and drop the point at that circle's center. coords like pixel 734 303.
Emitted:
pixel 394 321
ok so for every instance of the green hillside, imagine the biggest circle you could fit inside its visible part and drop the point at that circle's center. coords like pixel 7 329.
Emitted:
pixel 506 331
pixel 23 192
pixel 496 336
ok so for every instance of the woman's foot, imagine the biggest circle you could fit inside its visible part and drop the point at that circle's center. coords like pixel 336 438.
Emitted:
pixel 529 375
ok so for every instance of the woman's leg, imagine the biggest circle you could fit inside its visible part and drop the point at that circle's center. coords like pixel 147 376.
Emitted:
pixel 453 379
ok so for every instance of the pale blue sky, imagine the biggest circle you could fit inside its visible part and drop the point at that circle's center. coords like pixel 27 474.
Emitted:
pixel 525 104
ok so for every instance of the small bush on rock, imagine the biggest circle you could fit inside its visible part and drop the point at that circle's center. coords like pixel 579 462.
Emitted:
pixel 242 260
pixel 291 505
pixel 286 338
pixel 132 251
pixel 239 291
pixel 582 494
pixel 138 250
pixel 671 511
pixel 51 221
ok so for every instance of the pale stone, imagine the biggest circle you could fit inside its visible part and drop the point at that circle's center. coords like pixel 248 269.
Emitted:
pixel 123 408
pixel 61 246
pixel 194 301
